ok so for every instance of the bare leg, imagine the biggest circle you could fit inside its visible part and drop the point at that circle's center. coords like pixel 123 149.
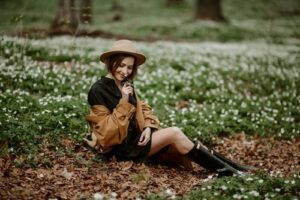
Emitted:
pixel 179 142
pixel 172 136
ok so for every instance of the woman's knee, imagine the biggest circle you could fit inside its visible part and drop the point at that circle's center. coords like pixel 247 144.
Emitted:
pixel 180 141
pixel 177 133
pixel 175 129
pixel 171 135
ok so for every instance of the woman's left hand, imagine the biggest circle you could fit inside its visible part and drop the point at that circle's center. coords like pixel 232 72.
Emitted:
pixel 145 137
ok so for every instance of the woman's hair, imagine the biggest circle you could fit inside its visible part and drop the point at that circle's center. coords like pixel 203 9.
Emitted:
pixel 114 61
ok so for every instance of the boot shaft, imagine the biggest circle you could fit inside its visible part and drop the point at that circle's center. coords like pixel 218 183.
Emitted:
pixel 202 156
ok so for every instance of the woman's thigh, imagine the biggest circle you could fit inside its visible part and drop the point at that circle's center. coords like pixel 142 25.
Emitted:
pixel 161 139
pixel 172 136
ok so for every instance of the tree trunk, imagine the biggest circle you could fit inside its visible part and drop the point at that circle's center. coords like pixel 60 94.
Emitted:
pixel 209 10
pixel 86 11
pixel 74 19
pixel 66 19
pixel 174 2
pixel 115 6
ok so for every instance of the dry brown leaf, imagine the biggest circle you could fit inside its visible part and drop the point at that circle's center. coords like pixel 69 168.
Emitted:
pixel 66 174
pixel 89 177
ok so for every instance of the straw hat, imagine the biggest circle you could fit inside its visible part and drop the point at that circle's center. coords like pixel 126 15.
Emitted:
pixel 125 47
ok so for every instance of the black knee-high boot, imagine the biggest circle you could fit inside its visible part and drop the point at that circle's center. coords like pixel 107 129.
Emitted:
pixel 233 163
pixel 206 159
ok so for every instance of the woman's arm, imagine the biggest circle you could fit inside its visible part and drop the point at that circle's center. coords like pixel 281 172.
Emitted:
pixel 110 128
pixel 150 120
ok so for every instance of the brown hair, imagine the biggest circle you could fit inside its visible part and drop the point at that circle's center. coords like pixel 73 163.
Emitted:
pixel 114 61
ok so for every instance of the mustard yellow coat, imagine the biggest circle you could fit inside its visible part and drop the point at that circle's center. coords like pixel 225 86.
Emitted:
pixel 109 129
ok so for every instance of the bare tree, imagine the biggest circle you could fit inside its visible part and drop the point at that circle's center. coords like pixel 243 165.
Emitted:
pixel 86 11
pixel 117 9
pixel 116 6
pixel 67 17
pixel 209 10
pixel 174 2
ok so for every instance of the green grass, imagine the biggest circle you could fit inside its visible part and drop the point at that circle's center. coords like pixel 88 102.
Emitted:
pixel 248 20
pixel 229 88
pixel 253 187
pixel 249 187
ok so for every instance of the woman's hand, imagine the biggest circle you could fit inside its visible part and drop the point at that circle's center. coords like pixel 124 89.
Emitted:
pixel 145 137
pixel 127 90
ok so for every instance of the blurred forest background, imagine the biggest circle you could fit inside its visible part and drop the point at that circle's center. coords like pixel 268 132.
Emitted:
pixel 190 20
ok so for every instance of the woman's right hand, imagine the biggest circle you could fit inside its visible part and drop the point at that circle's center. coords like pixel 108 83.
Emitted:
pixel 127 90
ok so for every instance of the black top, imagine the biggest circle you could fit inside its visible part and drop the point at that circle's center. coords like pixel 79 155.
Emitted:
pixel 106 92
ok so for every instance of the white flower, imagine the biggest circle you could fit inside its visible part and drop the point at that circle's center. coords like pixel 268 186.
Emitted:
pixel 98 196
pixel 237 196
pixel 249 179
pixel 113 194
pixel 41 176
pixel 169 192
pixel 254 193
pixel 223 187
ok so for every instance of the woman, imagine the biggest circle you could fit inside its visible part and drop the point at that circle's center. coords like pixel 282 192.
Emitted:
pixel 126 126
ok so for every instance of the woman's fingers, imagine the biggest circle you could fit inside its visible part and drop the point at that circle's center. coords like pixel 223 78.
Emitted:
pixel 130 90
pixel 144 139
pixel 127 90
pixel 143 143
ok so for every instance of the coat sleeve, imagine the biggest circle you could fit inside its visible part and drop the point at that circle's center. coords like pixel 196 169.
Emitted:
pixel 150 119
pixel 110 128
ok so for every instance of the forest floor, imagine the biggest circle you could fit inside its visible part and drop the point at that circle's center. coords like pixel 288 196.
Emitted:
pixel 80 175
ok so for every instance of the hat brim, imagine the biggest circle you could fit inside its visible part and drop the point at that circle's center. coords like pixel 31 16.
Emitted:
pixel 139 58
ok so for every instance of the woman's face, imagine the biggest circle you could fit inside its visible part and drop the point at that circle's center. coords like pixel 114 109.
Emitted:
pixel 124 69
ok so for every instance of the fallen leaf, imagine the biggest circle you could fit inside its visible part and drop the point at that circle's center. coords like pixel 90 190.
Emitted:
pixel 66 174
